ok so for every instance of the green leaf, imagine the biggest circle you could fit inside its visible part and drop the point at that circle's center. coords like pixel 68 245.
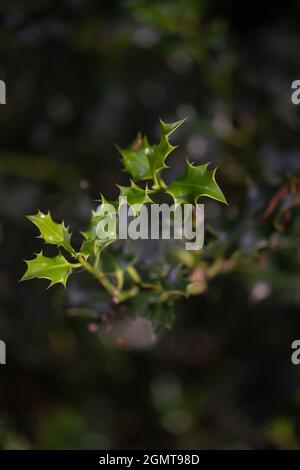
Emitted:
pixel 136 197
pixel 158 153
pixel 57 269
pixel 197 181
pixel 52 232
pixel 167 129
pixel 144 161
pixel 92 245
pixel 135 158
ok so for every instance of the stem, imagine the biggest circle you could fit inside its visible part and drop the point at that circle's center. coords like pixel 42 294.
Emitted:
pixel 111 289
pixel 156 182
pixel 159 184
pixel 96 263
pixel 162 184
pixel 120 279
pixel 134 274
pixel 128 294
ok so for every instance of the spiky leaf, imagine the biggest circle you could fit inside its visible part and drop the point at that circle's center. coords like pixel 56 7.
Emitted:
pixel 135 196
pixel 197 181
pixel 52 232
pixel 144 161
pixel 135 158
pixel 168 129
pixel 93 245
pixel 57 270
pixel 158 153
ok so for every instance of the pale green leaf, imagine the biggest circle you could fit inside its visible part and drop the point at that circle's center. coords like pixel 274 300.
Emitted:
pixel 57 270
pixel 92 245
pixel 135 196
pixel 167 129
pixel 135 158
pixel 52 232
pixel 197 181
pixel 144 161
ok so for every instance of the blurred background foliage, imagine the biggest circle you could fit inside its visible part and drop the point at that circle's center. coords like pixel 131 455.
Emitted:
pixel 81 75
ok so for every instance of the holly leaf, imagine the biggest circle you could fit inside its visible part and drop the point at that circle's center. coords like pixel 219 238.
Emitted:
pixel 93 245
pixel 57 269
pixel 144 161
pixel 158 153
pixel 135 196
pixel 135 158
pixel 168 129
pixel 52 232
pixel 197 181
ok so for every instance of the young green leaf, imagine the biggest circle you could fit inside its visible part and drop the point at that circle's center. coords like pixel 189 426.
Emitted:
pixel 144 161
pixel 158 153
pixel 57 269
pixel 52 232
pixel 168 129
pixel 135 158
pixel 197 181
pixel 93 245
pixel 136 196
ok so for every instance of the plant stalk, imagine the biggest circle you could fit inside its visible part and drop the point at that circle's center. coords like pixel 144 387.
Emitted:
pixel 111 289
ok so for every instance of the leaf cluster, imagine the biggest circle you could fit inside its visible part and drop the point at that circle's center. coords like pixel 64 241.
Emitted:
pixel 117 271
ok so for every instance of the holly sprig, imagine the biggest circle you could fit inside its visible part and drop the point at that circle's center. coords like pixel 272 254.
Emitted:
pixel 116 273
